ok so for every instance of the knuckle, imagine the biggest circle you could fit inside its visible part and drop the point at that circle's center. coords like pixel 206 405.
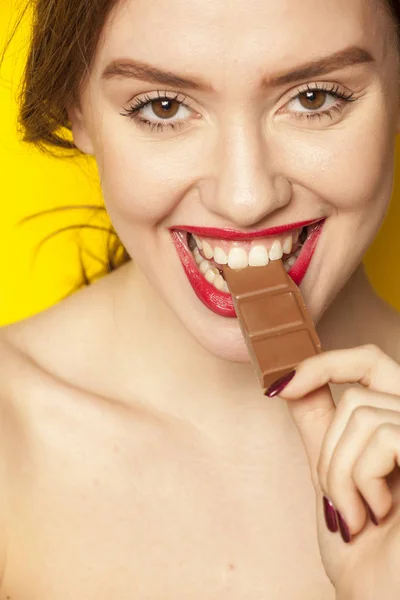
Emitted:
pixel 350 400
pixel 372 350
pixel 362 415
pixel 387 432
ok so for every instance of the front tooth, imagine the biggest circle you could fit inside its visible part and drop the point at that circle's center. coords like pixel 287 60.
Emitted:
pixel 220 256
pixel 198 242
pixel 207 250
pixel 225 288
pixel 237 258
pixel 276 251
pixel 291 261
pixel 204 266
pixel 258 256
pixel 288 245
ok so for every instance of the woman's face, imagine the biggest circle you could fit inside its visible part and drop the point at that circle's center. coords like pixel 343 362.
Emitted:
pixel 227 119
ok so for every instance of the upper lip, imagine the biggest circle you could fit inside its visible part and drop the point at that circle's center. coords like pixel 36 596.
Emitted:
pixel 235 235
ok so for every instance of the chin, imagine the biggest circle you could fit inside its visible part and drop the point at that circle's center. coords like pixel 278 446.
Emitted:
pixel 229 346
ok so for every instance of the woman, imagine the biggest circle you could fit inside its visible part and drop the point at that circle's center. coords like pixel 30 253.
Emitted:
pixel 140 458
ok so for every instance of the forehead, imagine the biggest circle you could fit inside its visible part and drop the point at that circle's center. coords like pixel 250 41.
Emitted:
pixel 210 35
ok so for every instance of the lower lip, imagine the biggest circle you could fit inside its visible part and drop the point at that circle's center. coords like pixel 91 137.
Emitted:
pixel 221 302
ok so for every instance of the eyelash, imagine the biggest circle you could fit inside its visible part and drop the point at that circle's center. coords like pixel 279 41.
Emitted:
pixel 133 112
pixel 331 89
pixel 138 104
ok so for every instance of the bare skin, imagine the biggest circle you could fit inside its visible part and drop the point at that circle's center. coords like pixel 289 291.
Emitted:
pixel 111 497
pixel 140 458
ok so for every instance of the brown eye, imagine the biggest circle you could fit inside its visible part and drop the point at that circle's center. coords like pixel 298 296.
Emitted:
pixel 312 99
pixel 165 108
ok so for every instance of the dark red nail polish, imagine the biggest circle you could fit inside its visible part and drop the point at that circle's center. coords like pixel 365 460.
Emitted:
pixel 344 530
pixel 330 515
pixel 372 516
pixel 279 385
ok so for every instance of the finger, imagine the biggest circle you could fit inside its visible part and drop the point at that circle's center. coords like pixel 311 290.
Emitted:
pixel 366 365
pixel 356 409
pixel 338 481
pixel 313 415
pixel 379 459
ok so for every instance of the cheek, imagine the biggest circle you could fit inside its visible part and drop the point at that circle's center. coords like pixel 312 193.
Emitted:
pixel 143 179
pixel 350 167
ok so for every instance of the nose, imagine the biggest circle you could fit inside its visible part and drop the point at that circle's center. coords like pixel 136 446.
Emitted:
pixel 247 183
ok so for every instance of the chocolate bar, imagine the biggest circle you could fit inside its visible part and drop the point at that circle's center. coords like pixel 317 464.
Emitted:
pixel 276 326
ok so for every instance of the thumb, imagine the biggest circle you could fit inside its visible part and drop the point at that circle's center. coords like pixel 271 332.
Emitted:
pixel 312 414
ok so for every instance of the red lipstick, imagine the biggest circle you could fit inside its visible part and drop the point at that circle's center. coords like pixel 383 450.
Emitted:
pixel 221 302
pixel 234 235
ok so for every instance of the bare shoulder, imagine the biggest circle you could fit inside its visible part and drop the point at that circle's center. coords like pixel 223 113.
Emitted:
pixel 24 386
pixel 40 358
pixel 12 380
pixel 68 339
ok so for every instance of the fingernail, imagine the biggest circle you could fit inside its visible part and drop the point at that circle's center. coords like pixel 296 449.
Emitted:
pixel 344 530
pixel 330 515
pixel 279 385
pixel 372 516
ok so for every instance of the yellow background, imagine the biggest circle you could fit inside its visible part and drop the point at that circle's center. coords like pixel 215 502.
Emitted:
pixel 31 182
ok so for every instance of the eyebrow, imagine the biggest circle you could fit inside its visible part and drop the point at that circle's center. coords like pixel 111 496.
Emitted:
pixel 139 70
pixel 132 69
pixel 334 62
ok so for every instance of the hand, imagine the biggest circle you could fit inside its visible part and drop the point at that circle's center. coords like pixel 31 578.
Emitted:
pixel 353 452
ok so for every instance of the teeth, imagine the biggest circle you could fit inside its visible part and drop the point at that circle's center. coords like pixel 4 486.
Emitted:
pixel 204 266
pixel 219 282
pixel 197 256
pixel 198 242
pixel 288 245
pixel 220 256
pixel 276 251
pixel 258 257
pixel 207 250
pixel 238 259
pixel 211 274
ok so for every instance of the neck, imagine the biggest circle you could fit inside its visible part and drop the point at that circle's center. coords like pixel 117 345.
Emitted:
pixel 163 366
